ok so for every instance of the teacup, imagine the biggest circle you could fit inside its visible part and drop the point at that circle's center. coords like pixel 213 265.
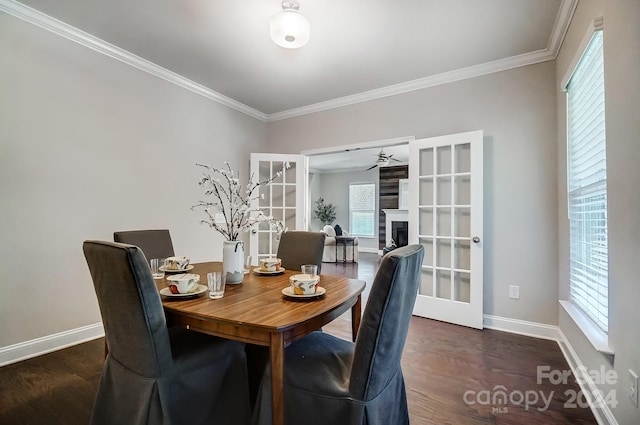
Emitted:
pixel 304 284
pixel 270 264
pixel 176 263
pixel 184 283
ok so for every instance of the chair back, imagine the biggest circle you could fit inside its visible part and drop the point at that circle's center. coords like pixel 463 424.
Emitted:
pixel 385 322
pixel 298 247
pixel 153 243
pixel 132 314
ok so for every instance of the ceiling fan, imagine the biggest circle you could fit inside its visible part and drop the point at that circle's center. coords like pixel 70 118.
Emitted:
pixel 383 160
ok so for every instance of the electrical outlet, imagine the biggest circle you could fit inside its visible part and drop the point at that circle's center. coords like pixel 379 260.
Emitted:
pixel 633 387
pixel 514 292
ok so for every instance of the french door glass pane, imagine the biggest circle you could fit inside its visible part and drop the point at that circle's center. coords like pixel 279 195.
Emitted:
pixel 426 282
pixel 443 221
pixel 462 255
pixel 462 188
pixel 425 188
pixel 443 253
pixel 290 218
pixel 276 167
pixel 277 197
pixel 428 251
pixel 290 196
pixel 425 221
pixel 462 222
pixel 443 191
pixel 463 158
pixel 444 159
pixel 443 284
pixel 462 287
pixel 426 162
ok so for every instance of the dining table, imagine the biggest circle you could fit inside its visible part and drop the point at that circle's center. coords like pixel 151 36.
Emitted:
pixel 257 311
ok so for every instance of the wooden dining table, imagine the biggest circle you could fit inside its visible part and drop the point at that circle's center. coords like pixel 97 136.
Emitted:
pixel 257 312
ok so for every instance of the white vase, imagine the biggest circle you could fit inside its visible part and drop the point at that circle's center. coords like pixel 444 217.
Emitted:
pixel 233 261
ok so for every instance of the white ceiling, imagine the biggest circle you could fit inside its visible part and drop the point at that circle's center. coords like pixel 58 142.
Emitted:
pixel 356 46
pixel 357 160
pixel 359 49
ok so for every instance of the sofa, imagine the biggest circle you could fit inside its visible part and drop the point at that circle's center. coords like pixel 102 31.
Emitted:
pixel 329 253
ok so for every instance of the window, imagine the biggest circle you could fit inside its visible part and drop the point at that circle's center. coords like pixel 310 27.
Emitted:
pixel 587 184
pixel 362 207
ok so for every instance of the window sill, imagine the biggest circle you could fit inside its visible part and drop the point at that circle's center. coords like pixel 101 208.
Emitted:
pixel 596 336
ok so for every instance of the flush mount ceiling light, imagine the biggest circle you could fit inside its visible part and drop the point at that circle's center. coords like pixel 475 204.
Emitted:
pixel 289 28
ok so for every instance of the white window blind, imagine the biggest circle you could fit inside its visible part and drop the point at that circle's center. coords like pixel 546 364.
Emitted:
pixel 362 205
pixel 587 185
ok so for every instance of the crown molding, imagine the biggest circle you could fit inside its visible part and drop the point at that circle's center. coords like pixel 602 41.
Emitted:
pixel 565 13
pixel 561 25
pixel 421 83
pixel 76 35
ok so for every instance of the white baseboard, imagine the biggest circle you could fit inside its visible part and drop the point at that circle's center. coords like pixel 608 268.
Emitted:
pixel 521 327
pixel 46 344
pixel 602 413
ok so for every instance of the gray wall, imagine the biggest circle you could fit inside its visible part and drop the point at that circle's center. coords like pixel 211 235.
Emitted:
pixel 334 188
pixel 89 145
pixel 517 111
pixel 622 99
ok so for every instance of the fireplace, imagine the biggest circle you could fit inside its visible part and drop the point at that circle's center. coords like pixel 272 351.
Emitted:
pixel 396 227
pixel 400 233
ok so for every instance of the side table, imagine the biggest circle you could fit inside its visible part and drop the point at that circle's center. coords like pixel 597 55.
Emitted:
pixel 344 241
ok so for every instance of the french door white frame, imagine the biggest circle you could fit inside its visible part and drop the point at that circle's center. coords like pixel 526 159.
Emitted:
pixel 445 216
pixel 284 199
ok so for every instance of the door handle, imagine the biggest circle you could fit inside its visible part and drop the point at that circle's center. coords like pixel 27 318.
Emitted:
pixel 476 239
pixel 254 231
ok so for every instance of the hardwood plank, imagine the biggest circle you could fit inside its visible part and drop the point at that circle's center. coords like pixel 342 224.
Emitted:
pixel 440 363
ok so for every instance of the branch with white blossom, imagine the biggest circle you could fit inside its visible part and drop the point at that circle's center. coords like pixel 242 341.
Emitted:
pixel 229 200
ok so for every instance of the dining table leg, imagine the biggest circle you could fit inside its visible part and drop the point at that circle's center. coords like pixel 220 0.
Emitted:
pixel 356 314
pixel 276 353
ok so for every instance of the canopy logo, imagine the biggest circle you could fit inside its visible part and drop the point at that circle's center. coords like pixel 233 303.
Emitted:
pixel 500 397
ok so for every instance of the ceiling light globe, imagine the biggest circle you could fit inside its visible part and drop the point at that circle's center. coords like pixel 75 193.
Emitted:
pixel 289 29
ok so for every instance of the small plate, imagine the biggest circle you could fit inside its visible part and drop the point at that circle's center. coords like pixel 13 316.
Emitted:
pixel 166 270
pixel 199 290
pixel 257 270
pixel 288 291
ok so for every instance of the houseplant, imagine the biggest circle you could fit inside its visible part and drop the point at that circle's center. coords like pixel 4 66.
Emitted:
pixel 229 211
pixel 326 213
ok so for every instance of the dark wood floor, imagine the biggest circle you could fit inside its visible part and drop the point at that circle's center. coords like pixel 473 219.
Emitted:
pixel 443 365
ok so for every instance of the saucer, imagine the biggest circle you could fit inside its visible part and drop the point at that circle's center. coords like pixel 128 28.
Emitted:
pixel 199 289
pixel 257 270
pixel 288 291
pixel 166 270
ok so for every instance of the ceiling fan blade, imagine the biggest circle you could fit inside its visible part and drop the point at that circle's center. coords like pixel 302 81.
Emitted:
pixel 372 167
pixel 393 159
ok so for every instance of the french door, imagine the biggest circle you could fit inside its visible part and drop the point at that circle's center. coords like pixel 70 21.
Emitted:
pixel 445 217
pixel 283 199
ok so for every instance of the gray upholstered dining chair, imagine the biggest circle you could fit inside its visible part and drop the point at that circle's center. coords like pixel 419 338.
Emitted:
pixel 299 247
pixel 332 381
pixel 154 243
pixel 154 374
